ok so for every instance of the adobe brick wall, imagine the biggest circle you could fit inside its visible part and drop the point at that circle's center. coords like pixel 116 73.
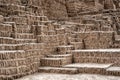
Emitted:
pixel 93 40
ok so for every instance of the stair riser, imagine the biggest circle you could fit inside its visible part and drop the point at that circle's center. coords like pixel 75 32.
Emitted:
pixel 51 63
pixel 113 73
pixel 96 54
pixel 54 63
pixel 92 71
pixel 58 71
pixel 68 58
pixel 97 60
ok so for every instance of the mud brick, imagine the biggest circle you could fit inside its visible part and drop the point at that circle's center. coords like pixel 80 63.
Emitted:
pixel 22 69
pixel 52 32
pixel 20 54
pixel 50 27
pixel 21 62
pixel 41 18
pixel 1 18
pixel 57 26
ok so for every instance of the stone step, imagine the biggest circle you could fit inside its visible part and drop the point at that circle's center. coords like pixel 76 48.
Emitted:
pixel 68 57
pixel 96 52
pixel 58 70
pixel 60 56
pixel 64 49
pixel 53 62
pixel 24 36
pixel 101 60
pixel 91 68
pixel 96 55
pixel 114 71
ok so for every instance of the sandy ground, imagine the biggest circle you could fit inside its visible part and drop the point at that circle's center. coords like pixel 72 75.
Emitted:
pixel 46 76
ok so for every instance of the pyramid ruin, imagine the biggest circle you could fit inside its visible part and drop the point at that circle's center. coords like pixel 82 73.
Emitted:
pixel 59 36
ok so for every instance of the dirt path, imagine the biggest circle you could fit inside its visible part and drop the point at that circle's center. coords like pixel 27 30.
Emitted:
pixel 46 76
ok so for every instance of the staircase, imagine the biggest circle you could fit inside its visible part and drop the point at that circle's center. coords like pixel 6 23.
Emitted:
pixel 85 52
pixel 32 43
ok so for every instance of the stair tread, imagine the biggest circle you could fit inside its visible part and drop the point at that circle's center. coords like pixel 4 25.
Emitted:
pixel 59 55
pixel 66 46
pixel 88 65
pixel 60 68
pixel 97 50
pixel 114 69
pixel 53 58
